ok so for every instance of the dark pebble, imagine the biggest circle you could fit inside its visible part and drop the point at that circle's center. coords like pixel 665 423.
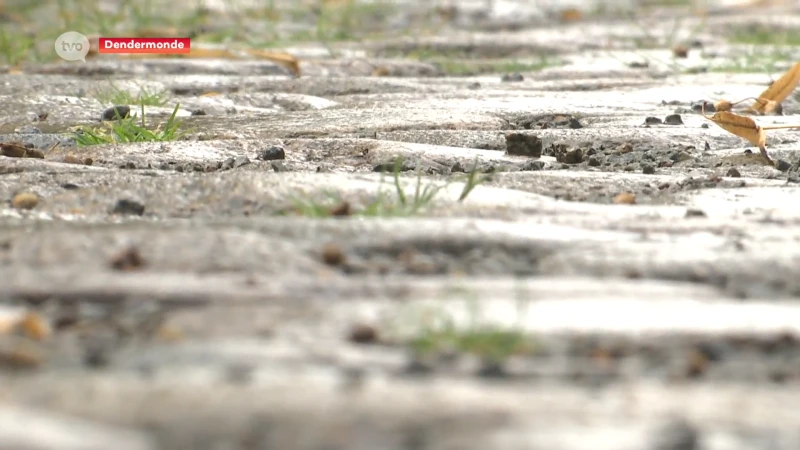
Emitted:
pixel 647 169
pixel 363 334
pixel 782 165
pixel 474 86
pixel 673 119
pixel 199 112
pixel 458 168
pixel 652 121
pixel 70 186
pixel 523 144
pixel 241 161
pixel 116 112
pixel 705 125
pixel 638 64
pixel 733 172
pixel 698 107
pixel 333 255
pixel 128 207
pixel 272 153
pixel 566 154
pixel 512 77
pixel 695 213
pixel 594 161
pixel 575 123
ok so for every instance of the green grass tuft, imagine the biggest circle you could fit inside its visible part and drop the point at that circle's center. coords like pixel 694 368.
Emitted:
pixel 116 96
pixel 130 129
pixel 395 204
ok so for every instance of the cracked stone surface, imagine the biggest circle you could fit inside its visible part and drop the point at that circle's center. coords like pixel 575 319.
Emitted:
pixel 613 282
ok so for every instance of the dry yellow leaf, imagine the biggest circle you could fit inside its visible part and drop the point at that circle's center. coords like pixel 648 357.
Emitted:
pixel 778 90
pixel 723 105
pixel 571 15
pixel 284 59
pixel 626 198
pixel 768 106
pixel 35 326
pixel 741 126
pixel 211 53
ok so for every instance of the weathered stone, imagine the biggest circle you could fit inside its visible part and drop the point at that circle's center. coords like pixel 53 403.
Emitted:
pixel 306 278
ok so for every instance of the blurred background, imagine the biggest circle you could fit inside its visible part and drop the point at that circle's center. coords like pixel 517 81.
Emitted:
pixel 30 27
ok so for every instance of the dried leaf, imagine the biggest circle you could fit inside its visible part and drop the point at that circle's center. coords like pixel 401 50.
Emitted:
pixel 35 327
pixel 723 105
pixel 284 59
pixel 768 106
pixel 210 53
pixel 570 15
pixel 741 126
pixel 779 90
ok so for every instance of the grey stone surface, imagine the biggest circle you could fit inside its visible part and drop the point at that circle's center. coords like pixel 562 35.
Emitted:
pixel 634 287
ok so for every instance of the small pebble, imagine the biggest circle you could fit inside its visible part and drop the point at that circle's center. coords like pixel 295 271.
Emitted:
pixel 680 51
pixel 782 165
pixel 332 255
pixel 128 207
pixel 271 153
pixel 116 112
pixel 515 77
pixel 127 260
pixel 647 169
pixel 652 121
pixel 363 334
pixel 733 172
pixel 673 119
pixel 691 212
pixel 25 200
pixel 523 144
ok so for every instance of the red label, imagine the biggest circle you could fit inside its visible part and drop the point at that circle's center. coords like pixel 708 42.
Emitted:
pixel 144 45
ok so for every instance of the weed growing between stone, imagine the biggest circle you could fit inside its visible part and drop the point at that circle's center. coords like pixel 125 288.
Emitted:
pixel 129 129
pixel 117 96
pixel 384 204
pixel 438 332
